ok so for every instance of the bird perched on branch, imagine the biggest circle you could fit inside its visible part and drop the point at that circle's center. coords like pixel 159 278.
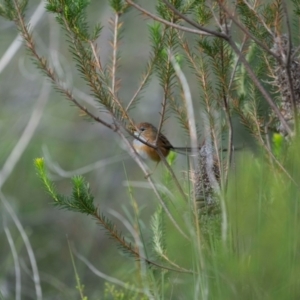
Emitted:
pixel 147 133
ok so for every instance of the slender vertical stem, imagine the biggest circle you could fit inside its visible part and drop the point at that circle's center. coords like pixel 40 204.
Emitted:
pixel 114 54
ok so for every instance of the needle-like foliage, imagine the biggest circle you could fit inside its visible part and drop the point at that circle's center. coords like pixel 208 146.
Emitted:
pixel 223 68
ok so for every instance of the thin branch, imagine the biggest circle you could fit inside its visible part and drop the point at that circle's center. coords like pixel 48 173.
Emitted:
pixel 114 54
pixel 233 73
pixel 148 72
pixel 154 17
pixel 162 116
pixel 164 256
pixel 195 24
pixel 97 59
pixel 142 84
pixel 216 18
pixel 164 102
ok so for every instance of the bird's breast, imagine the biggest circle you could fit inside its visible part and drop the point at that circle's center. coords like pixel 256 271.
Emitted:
pixel 145 151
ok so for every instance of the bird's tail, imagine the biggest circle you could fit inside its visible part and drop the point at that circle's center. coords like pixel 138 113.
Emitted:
pixel 190 150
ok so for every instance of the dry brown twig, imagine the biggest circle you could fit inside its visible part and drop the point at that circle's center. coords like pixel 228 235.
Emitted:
pixel 163 21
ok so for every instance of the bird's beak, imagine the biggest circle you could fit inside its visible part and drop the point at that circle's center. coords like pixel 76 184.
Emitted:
pixel 136 133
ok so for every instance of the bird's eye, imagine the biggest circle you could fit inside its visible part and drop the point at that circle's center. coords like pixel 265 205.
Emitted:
pixel 142 129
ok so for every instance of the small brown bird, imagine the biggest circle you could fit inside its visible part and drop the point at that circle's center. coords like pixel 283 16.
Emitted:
pixel 148 133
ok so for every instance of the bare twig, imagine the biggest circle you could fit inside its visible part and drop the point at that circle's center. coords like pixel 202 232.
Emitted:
pixel 233 73
pixel 154 17
pixel 142 84
pixel 164 102
pixel 195 24
pixel 147 74
pixel 114 54
pixel 162 116
pixel 96 57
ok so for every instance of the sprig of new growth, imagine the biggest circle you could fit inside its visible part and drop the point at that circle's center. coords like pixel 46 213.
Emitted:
pixel 81 200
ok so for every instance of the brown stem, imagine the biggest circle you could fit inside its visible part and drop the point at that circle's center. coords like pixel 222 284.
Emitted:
pixel 154 17
pixel 195 24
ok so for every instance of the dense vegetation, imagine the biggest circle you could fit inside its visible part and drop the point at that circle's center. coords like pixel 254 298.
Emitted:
pixel 212 225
